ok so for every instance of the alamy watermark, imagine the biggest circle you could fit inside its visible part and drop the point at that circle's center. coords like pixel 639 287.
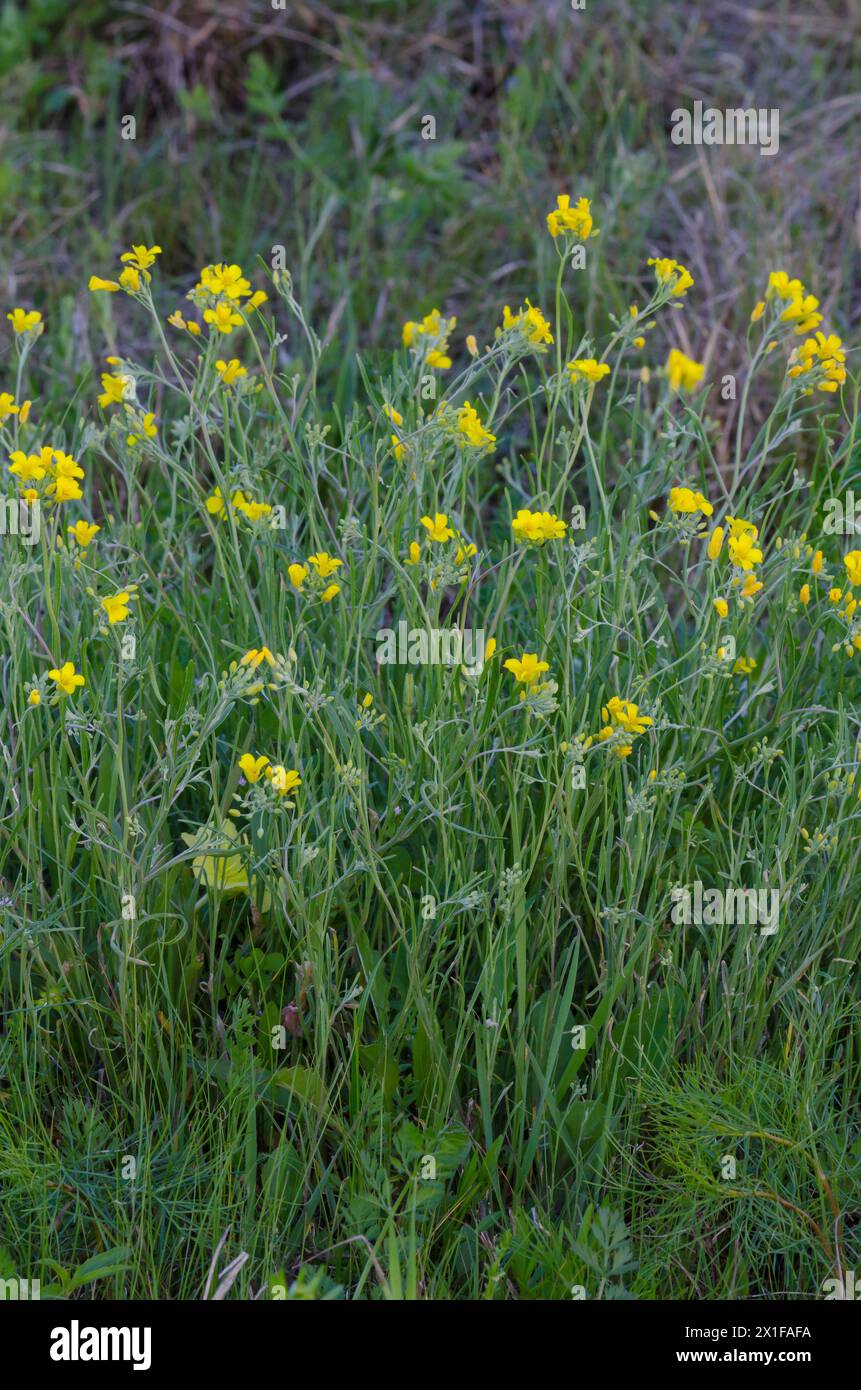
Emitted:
pixel 848 1288
pixel 77 1343
pixel 20 1289
pixel 21 518
pixel 732 906
pixel 842 516
pixel 733 126
pixel 435 646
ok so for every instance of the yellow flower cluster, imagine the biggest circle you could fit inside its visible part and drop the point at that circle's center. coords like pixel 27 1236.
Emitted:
pixel 527 670
pixel 471 431
pixel 26 321
pixel 220 293
pixel 530 323
pixel 683 500
pixel 279 778
pixel 567 221
pixel 56 473
pixel 801 307
pixel 823 358
pixel 534 528
pixel 672 275
pixel 439 531
pixel 683 373
pixel 622 724
pixel 587 369
pixel 429 338
pixel 744 553
pixel 137 264
pixel 218 505
pixel 315 573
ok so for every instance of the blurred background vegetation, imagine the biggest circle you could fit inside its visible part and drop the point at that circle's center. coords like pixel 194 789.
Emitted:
pixel 301 127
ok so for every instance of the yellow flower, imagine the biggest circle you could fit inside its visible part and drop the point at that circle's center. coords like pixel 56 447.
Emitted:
pixel 227 280
pixel 64 489
pixel 758 312
pixel 438 529
pixel 435 332
pixel 148 427
pixel 255 656
pixel 626 715
pixel 141 257
pixel 490 648
pixel 297 574
pixel 83 532
pixel 66 678
pixel 623 750
pixel 471 345
pixel 804 594
pixel 802 311
pixel 750 586
pixel 587 369
pixel 63 465
pixel 394 415
pixel 223 317
pixel 283 781
pixel 28 467
pixel 251 767
pixel 114 389
pixel 577 220
pixel 780 284
pixel 672 275
pixel 527 669
pixel 415 553
pixel 721 607
pixel 537 527
pixel 216 504
pixel 324 564
pixel 816 564
pixel 739 527
pixel 130 279
pixel 743 666
pixel 331 592
pixel 117 607
pixel 23 321
pixel 34 698
pixel 852 561
pixel 715 543
pixel 24 412
pixel 253 511
pixel 743 552
pixel 683 372
pixel 177 320
pixel 7 406
pixel 684 499
pixel 531 323
pixel 472 429
pixel 230 371
pixel 95 283
pixel 824 357
pixel 223 871
pixel 835 595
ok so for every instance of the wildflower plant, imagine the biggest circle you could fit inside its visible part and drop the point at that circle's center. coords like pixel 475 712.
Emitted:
pixel 224 812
